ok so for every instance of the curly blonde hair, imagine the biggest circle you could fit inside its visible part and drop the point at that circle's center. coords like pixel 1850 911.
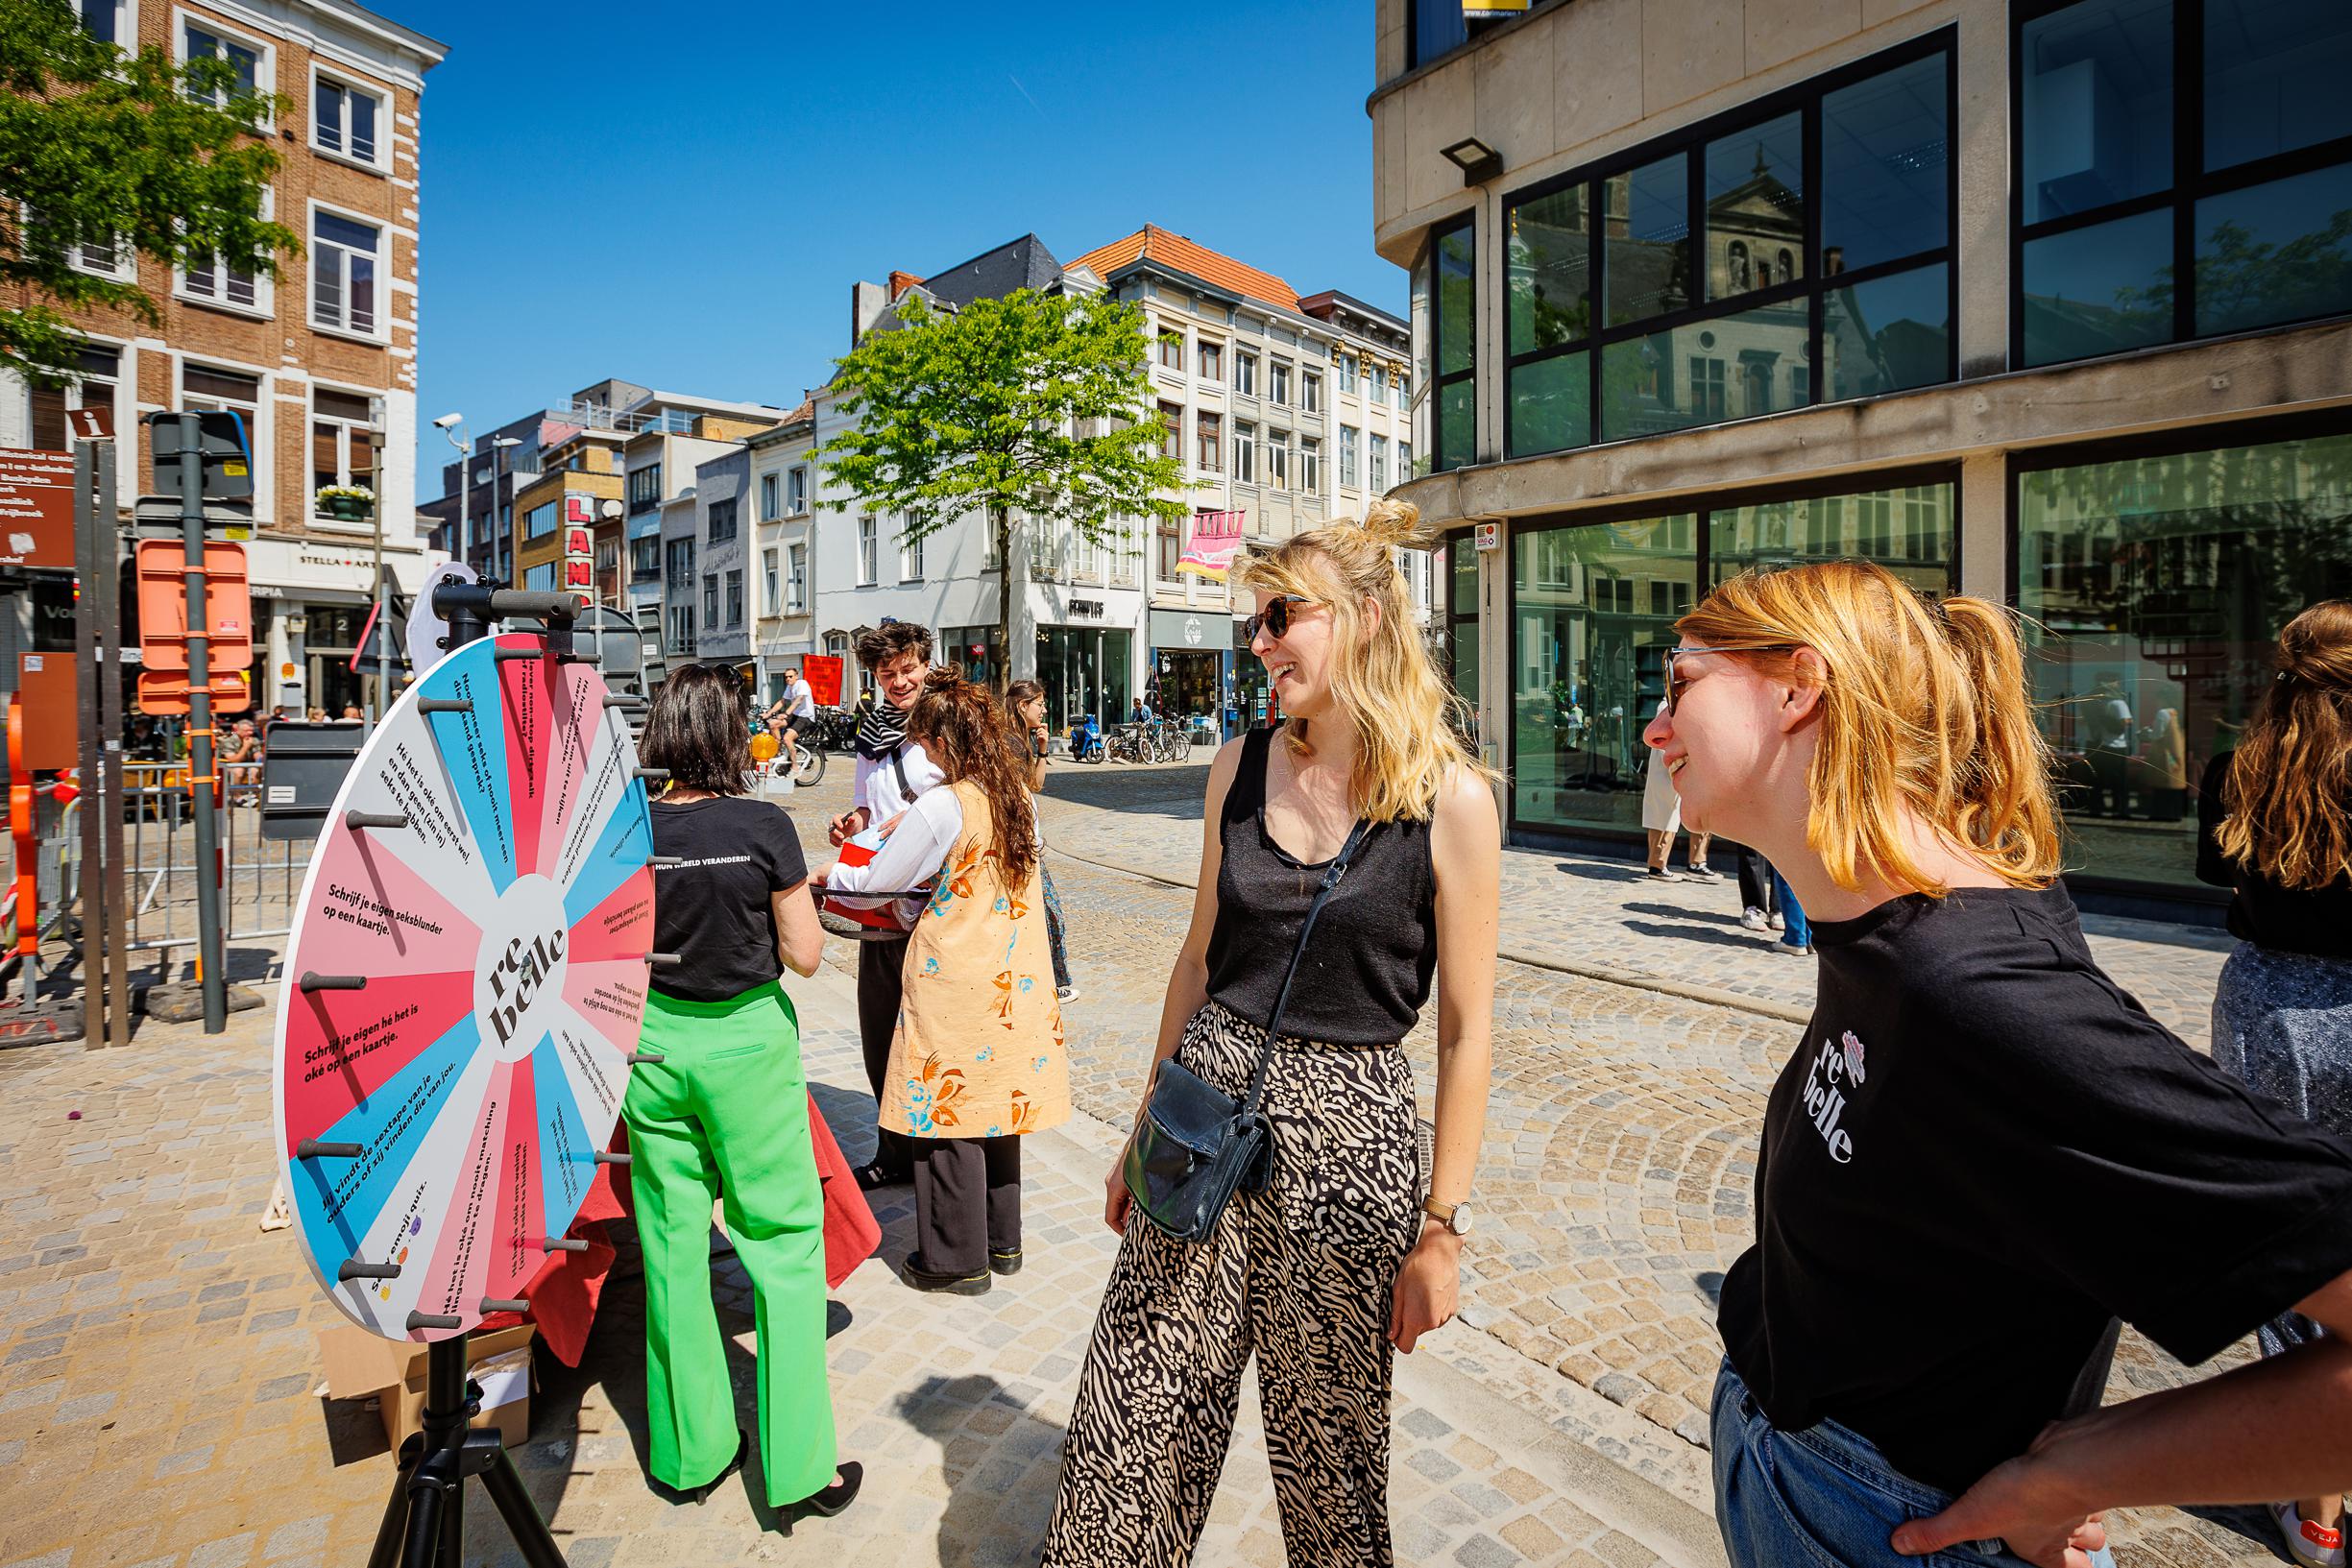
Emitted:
pixel 1407 741
pixel 2289 791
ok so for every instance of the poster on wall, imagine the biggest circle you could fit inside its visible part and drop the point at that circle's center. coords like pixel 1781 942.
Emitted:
pixel 438 1122
pixel 823 673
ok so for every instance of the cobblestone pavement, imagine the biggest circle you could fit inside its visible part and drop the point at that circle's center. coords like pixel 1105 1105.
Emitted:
pixel 155 1345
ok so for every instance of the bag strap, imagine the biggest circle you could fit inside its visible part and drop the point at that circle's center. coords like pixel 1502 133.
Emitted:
pixel 1306 928
pixel 898 765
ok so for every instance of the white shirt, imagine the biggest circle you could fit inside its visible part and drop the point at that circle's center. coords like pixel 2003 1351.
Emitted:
pixel 916 847
pixel 875 785
pixel 800 702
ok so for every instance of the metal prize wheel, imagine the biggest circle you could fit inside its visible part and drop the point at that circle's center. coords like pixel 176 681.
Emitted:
pixel 465 983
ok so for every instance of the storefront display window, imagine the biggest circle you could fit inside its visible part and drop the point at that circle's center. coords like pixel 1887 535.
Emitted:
pixel 1084 669
pixel 2153 589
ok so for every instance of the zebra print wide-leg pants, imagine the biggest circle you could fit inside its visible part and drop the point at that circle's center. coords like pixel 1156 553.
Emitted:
pixel 1299 1275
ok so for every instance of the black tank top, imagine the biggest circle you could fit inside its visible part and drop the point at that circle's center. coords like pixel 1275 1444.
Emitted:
pixel 1365 971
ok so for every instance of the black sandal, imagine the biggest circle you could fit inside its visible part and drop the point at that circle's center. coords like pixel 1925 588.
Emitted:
pixel 873 1177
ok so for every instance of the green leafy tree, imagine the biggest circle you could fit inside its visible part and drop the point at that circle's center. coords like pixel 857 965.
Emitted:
pixel 1034 409
pixel 105 151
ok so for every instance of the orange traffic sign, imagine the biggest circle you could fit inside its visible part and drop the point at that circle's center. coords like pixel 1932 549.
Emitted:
pixel 164 608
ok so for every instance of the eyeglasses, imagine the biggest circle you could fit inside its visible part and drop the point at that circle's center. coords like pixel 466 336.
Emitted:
pixel 1676 683
pixel 1275 617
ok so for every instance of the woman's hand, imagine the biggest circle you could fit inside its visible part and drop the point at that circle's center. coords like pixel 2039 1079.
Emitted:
pixel 1116 1197
pixel 2022 1503
pixel 1428 1286
pixel 846 827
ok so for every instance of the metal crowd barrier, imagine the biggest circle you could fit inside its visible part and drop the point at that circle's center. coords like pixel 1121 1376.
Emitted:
pixel 260 878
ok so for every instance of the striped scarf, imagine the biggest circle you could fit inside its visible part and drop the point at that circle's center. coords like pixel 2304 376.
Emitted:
pixel 880 727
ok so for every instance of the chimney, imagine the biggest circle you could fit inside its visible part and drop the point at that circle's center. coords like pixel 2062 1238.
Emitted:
pixel 867 303
pixel 900 283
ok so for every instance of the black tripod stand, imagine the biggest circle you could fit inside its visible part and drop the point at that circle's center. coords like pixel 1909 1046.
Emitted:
pixel 427 1506
pixel 429 1499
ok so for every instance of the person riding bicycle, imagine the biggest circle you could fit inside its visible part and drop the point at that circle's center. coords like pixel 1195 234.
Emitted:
pixel 791 715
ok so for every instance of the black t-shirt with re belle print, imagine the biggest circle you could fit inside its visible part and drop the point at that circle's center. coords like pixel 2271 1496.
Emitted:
pixel 1984 1153
pixel 712 909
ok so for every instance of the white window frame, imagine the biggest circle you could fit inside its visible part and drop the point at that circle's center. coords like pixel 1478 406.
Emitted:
pixel 1311 391
pixel 382 331
pixel 1244 373
pixel 1347 374
pixel 348 433
pixel 796 579
pixel 265 287
pixel 126 25
pixel 265 52
pixel 796 490
pixel 1310 466
pixel 1244 454
pixel 1351 442
pixel 869 552
pixel 1277 460
pixel 910 558
pixel 1279 375
pixel 351 85
pixel 1377 470
pixel 771 497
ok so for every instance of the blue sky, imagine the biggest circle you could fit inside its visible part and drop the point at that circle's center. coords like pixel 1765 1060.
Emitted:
pixel 683 196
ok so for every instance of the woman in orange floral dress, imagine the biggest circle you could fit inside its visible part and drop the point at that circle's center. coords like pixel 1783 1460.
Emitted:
pixel 977 1059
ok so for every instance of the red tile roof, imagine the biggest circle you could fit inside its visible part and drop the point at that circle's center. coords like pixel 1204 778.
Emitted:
pixel 1173 249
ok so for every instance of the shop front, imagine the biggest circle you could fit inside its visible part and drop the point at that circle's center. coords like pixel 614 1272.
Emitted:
pixel 1192 657
pixel 1085 669
pixel 2154 578
pixel 311 603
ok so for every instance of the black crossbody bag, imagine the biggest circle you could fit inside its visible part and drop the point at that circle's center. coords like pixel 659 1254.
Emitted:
pixel 1196 1146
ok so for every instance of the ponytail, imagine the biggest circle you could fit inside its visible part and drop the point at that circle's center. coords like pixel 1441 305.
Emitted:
pixel 1924 708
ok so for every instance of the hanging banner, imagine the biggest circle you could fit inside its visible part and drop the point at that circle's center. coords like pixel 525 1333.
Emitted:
pixel 823 673
pixel 1216 536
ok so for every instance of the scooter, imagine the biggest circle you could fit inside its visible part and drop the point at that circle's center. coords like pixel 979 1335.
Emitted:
pixel 1086 743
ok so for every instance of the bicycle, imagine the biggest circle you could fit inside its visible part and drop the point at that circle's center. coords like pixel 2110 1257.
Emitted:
pixel 1130 743
pixel 1172 742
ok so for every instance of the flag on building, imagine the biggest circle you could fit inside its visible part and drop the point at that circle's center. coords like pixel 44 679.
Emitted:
pixel 1215 537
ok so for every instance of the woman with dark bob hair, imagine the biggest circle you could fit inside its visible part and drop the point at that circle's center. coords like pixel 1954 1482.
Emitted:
pixel 723 1115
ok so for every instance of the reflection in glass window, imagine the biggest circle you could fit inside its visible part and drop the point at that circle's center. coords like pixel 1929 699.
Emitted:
pixel 2099 290
pixel 2098 89
pixel 2274 77
pixel 2276 253
pixel 1593 612
pixel 1461 620
pixel 1907 530
pixel 1549 270
pixel 1457 321
pixel 2154 590
pixel 1551 406
pixel 1888 334
pixel 1885 163
pixel 1731 367
pixel 1648 223
pixel 1453 318
pixel 1756 207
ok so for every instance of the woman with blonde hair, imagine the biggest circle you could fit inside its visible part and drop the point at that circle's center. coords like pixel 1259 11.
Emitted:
pixel 975 1055
pixel 1983 1153
pixel 1356 849
pixel 2276 827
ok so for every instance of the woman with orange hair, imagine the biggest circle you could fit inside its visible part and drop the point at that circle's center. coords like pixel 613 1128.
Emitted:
pixel 2276 821
pixel 1983 1153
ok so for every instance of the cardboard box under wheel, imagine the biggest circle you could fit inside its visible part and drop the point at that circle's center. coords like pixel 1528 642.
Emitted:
pixel 361 1366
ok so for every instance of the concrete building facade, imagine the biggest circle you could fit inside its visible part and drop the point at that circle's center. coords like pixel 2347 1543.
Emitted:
pixel 2044 301
pixel 322 361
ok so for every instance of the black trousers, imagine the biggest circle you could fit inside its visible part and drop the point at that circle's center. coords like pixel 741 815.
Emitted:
pixel 1755 880
pixel 881 976
pixel 967 1200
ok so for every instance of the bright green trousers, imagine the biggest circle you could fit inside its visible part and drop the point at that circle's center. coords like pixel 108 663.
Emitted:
pixel 726 1115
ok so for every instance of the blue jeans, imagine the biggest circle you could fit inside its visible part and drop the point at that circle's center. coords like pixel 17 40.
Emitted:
pixel 1799 931
pixel 1821 1498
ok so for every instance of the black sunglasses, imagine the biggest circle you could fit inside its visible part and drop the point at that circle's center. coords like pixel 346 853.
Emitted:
pixel 1275 617
pixel 1675 683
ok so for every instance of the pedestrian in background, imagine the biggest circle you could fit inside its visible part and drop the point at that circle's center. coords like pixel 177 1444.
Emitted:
pixel 1337 1260
pixel 2276 821
pixel 1027 735
pixel 723 1115
pixel 975 1059
pixel 1760 905
pixel 1976 1108
pixel 1662 818
pixel 892 773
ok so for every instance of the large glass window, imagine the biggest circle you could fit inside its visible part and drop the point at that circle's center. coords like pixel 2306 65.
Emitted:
pixel 1084 669
pixel 1447 281
pixel 1823 225
pixel 2154 588
pixel 2184 169
pixel 1461 566
pixel 1593 606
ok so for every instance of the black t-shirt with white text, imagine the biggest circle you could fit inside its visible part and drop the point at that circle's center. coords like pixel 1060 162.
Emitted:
pixel 712 909
pixel 1983 1154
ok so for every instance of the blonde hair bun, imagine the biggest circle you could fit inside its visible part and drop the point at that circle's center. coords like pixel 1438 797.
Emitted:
pixel 1395 523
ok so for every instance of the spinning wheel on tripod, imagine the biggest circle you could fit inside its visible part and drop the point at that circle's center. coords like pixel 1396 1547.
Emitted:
pixel 465 983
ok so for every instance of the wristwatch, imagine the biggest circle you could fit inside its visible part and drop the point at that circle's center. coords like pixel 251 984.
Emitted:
pixel 1454 1217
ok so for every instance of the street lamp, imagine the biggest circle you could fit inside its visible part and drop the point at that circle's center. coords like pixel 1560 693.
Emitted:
pixel 501 546
pixel 450 425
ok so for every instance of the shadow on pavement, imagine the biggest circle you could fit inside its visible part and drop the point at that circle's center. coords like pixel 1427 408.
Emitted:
pixel 1172 791
pixel 1603 870
pixel 1672 912
pixel 1687 931
pixel 1002 1466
